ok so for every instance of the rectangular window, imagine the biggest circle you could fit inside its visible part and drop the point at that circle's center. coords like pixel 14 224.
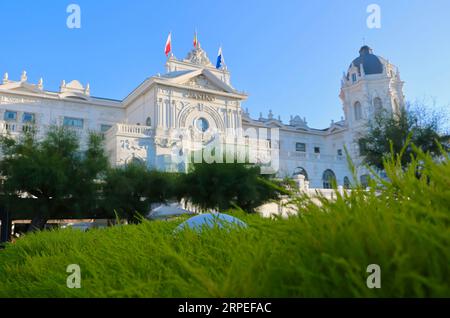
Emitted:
pixel 316 149
pixel 339 152
pixel 362 147
pixel 105 128
pixel 354 77
pixel 73 122
pixel 300 146
pixel 10 116
pixel 28 118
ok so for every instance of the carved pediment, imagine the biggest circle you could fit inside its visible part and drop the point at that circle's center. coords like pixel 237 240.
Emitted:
pixel 21 87
pixel 335 129
pixel 202 81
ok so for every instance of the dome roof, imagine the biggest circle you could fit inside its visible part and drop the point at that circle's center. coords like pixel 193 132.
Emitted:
pixel 372 64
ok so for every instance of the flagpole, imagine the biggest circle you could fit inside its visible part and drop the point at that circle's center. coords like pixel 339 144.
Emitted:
pixel 221 58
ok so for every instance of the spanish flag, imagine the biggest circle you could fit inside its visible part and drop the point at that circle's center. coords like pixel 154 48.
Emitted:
pixel 195 40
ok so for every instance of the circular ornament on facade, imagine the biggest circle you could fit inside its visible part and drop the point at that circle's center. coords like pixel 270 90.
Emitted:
pixel 202 124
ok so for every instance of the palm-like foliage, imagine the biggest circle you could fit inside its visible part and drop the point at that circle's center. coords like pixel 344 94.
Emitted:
pixel 54 174
pixel 224 185
pixel 130 190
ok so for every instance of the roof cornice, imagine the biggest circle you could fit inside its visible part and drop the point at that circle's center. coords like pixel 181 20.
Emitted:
pixel 56 97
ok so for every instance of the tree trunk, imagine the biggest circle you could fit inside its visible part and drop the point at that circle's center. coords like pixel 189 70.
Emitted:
pixel 38 223
pixel 41 217
pixel 5 232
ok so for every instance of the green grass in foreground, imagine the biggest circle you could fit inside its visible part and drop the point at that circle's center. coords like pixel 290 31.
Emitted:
pixel 323 253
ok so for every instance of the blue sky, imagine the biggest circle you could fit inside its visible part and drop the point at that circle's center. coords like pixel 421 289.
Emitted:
pixel 287 55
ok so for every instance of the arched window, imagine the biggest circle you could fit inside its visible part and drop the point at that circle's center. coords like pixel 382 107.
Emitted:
pixel 358 111
pixel 377 105
pixel 364 179
pixel 148 121
pixel 300 171
pixel 329 179
pixel 135 161
pixel 347 183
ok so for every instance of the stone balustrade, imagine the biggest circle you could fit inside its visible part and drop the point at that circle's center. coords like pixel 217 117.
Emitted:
pixel 14 128
pixel 134 129
pixel 129 130
pixel 311 156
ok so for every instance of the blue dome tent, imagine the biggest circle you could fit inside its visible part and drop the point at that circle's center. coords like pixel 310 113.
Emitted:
pixel 210 220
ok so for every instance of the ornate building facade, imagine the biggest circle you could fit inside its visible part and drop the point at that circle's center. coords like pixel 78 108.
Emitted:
pixel 193 107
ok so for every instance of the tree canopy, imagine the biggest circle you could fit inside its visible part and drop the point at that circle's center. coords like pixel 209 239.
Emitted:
pixel 53 173
pixel 224 185
pixel 58 176
pixel 420 126
pixel 130 190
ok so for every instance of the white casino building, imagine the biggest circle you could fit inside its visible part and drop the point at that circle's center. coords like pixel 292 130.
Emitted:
pixel 194 104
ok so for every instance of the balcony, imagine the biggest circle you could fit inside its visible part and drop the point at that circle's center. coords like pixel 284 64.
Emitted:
pixel 311 156
pixel 15 128
pixel 130 130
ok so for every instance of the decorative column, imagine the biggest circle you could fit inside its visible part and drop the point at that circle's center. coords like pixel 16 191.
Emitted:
pixel 166 113
pixel 173 106
pixel 229 118
pixel 159 107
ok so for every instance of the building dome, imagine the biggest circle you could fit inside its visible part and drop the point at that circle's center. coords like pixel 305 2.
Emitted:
pixel 372 64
